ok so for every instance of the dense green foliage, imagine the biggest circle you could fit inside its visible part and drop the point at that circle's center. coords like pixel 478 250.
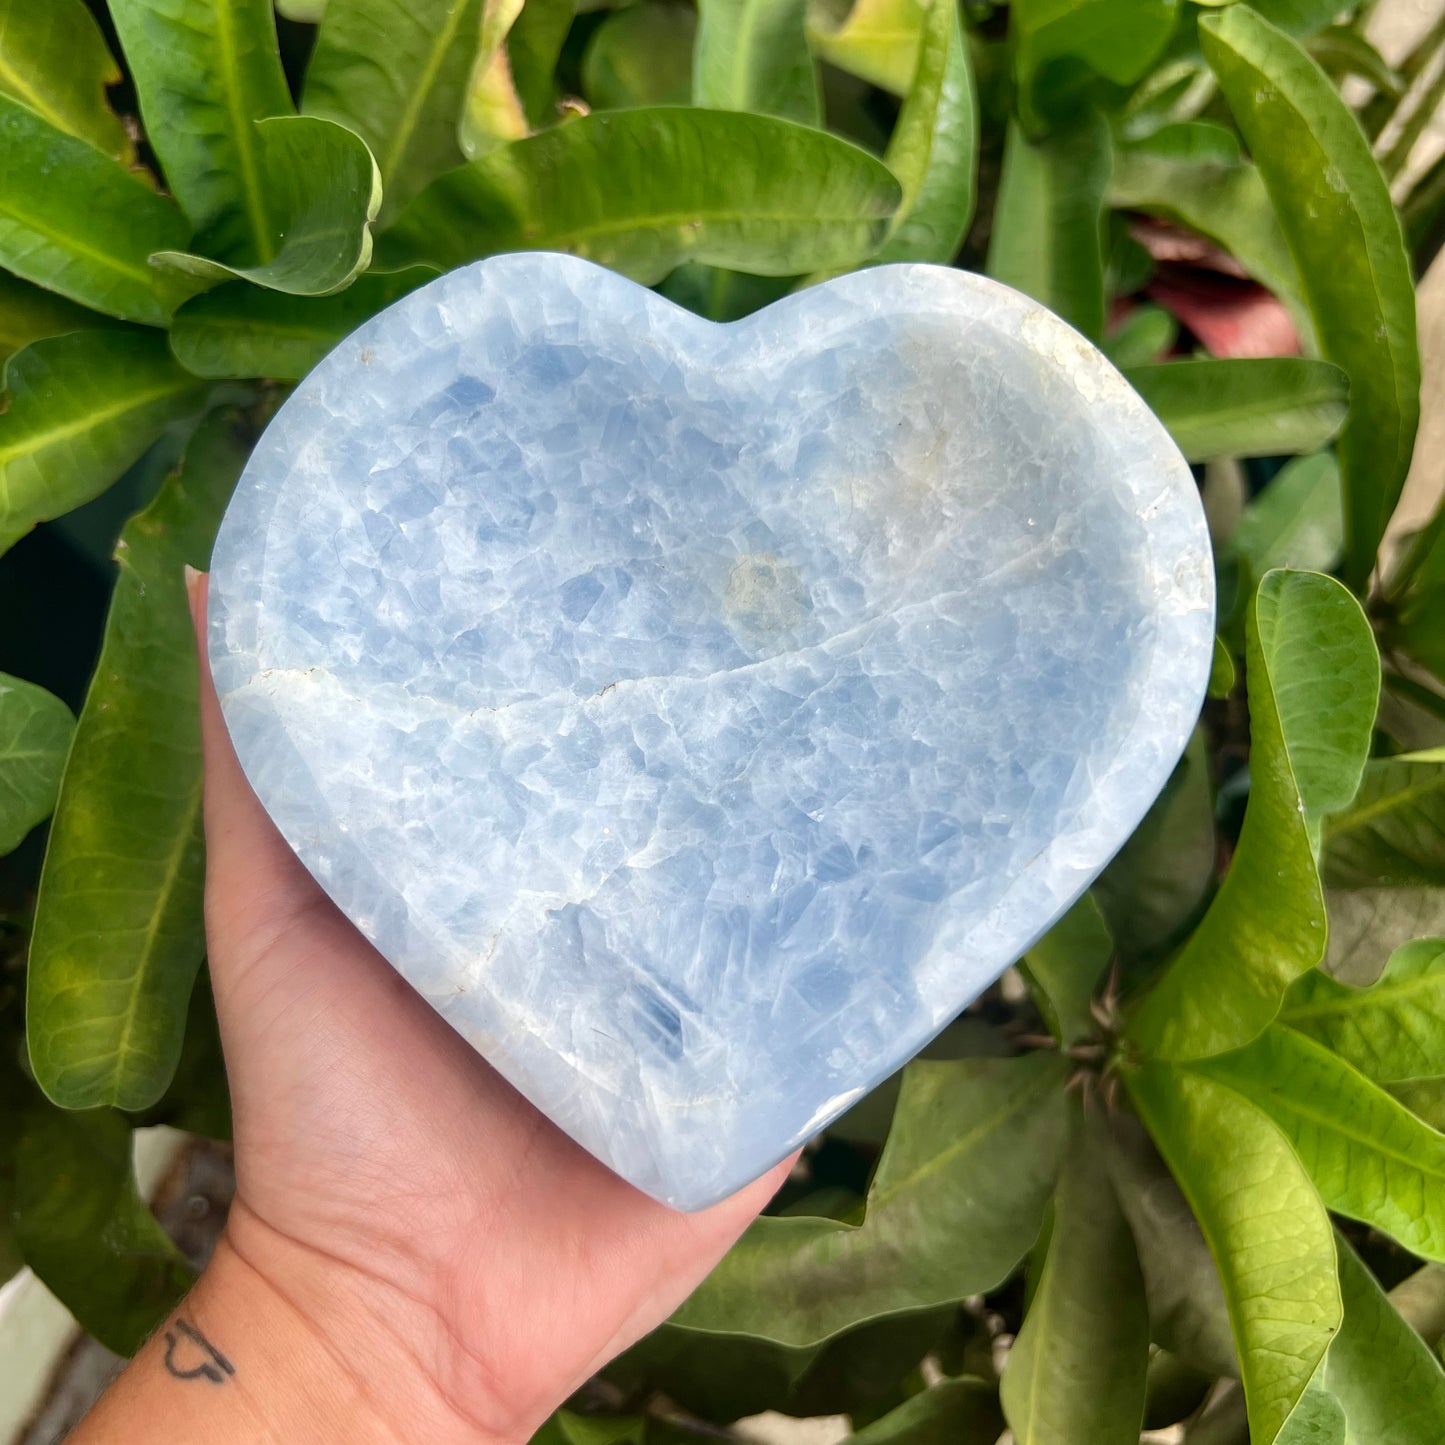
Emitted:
pixel 1193 1139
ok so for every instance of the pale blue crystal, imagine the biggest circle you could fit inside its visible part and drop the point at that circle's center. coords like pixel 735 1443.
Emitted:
pixel 700 716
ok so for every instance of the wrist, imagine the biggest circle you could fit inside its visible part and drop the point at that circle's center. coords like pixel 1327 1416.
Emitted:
pixel 275 1343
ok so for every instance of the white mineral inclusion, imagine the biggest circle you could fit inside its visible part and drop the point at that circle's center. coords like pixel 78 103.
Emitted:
pixel 700 716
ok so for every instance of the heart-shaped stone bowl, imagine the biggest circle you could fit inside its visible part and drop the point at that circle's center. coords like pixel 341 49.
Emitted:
pixel 700 716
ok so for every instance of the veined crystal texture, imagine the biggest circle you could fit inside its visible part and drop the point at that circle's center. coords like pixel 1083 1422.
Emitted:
pixel 699 716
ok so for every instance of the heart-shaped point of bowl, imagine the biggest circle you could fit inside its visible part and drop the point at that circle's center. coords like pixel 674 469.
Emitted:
pixel 700 716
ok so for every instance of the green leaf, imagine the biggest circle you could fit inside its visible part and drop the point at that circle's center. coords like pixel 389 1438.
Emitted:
pixel 962 1411
pixel 53 58
pixel 956 1202
pixel 1048 224
pixel 1065 967
pixel 492 110
pixel 1369 924
pixel 1160 98
pixel 1245 407
pixel 35 729
pixel 1188 1314
pixel 721 295
pixel 1418 629
pixel 1297 17
pixel 82 408
pixel 76 222
pixel 1157 884
pixel 1145 334
pixel 1198 141
pixel 1266 1227
pixel 1056 40
pixel 82 1226
pixel 197 1099
pixel 1076 1371
pixel 493 113
pixel 118 933
pixel 1422 214
pixel 641 56
pixel 878 41
pixel 1296 521
pixel 1419 1299
pixel 642 191
pixel 1343 51
pixel 1424 1098
pixel 1379 1375
pixel 753 55
pixel 304 12
pixel 934 147
pixel 568 1428
pixel 533 47
pixel 1340 223
pixel 1221 671
pixel 28 313
pixel 869 1120
pixel 1226 203
pixel 205 71
pixel 1392 1031
pixel 1314 677
pixel 395 72
pixel 726 1377
pixel 325 188
pixel 1369 1157
pixel 238 330
pixel 1393 832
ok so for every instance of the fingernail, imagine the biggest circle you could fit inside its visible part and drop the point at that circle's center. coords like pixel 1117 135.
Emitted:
pixel 192 580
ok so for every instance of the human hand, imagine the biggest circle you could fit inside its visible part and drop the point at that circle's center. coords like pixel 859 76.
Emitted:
pixel 413 1250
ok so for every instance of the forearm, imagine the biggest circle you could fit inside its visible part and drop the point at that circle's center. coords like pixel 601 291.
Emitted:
pixel 242 1361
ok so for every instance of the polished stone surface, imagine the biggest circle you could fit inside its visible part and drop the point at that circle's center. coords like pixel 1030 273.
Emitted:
pixel 700 716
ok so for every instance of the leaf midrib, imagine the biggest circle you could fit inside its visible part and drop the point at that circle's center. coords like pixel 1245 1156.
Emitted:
pixel 73 244
pixel 38 441
pixel 663 220
pixel 244 132
pixel 1261 77
pixel 411 113
pixel 1265 1098
pixel 28 95
pixel 1367 999
pixel 171 874
pixel 1356 817
pixel 963 1144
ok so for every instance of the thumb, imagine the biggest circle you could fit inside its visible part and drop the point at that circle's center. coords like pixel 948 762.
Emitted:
pixel 256 888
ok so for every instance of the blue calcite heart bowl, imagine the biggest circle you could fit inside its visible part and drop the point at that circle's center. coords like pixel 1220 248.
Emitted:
pixel 700 716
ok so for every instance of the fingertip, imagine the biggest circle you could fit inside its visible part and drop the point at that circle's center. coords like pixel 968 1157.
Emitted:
pixel 196 589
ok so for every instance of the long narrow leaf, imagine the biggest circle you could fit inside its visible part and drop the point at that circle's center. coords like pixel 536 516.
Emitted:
pixel 1048 221
pixel 325 191
pixel 118 934
pixel 753 55
pixel 53 58
pixel 644 190
pixel 1335 210
pixel 1267 1229
pixel 395 72
pixel 934 147
pixel 76 222
pixel 82 408
pixel 1076 1370
pixel 1245 407
pixel 206 71
pixel 1314 678
pixel 956 1202
pixel 35 731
